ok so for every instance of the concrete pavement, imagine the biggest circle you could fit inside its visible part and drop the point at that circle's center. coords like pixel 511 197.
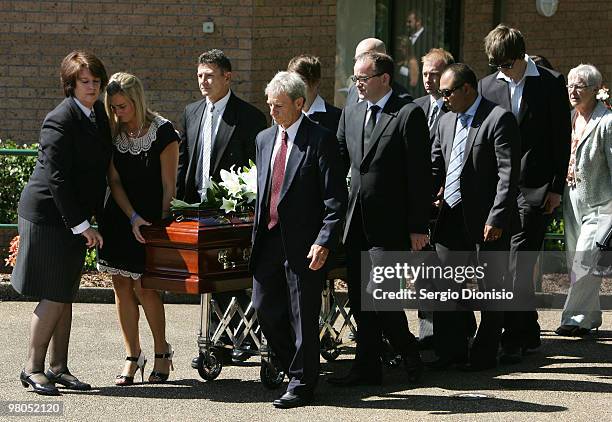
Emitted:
pixel 567 379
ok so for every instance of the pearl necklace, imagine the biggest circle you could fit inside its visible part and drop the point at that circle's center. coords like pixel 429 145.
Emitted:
pixel 135 134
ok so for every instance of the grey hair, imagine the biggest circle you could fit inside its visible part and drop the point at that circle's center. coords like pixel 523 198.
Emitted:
pixel 588 73
pixel 289 83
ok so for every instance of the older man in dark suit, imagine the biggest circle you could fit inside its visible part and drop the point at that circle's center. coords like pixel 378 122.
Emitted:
pixel 538 99
pixel 218 131
pixel 384 140
pixel 475 162
pixel 301 201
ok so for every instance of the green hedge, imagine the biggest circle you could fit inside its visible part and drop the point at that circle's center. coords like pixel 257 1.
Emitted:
pixel 14 174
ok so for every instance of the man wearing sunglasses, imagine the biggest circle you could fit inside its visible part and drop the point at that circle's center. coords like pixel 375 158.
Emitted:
pixel 538 99
pixel 384 141
pixel 475 164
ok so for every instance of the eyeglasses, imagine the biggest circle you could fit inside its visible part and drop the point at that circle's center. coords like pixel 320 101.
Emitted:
pixel 448 92
pixel 571 87
pixel 356 79
pixel 507 65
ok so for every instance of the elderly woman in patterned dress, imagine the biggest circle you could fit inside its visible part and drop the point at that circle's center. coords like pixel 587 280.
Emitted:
pixel 142 181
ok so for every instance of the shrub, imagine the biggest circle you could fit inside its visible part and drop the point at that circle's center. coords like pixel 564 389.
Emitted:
pixel 14 174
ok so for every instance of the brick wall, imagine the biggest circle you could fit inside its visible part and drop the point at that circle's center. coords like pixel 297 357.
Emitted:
pixel 578 32
pixel 159 41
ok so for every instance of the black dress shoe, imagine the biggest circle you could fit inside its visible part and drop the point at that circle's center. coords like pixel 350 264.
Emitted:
pixel 45 389
pixel 565 330
pixel 511 355
pixel 67 380
pixel 354 379
pixel 290 400
pixel 414 368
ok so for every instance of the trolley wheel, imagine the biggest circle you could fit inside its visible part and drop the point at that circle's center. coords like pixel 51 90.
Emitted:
pixel 209 365
pixel 271 375
pixel 329 348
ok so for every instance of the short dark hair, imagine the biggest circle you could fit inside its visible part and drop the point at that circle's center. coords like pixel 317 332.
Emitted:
pixel 462 74
pixel 307 66
pixel 383 63
pixel 216 57
pixel 72 65
pixel 504 43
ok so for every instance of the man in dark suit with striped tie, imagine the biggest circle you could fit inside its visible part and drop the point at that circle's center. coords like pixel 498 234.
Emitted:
pixel 301 202
pixel 475 162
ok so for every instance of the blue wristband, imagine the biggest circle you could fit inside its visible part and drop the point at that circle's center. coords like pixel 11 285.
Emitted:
pixel 133 217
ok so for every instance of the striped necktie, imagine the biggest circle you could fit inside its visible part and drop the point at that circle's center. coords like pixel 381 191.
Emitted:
pixel 203 169
pixel 452 188
pixel 432 118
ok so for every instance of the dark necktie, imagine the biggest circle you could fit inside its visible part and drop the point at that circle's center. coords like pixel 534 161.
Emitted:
pixel 369 128
pixel 432 118
pixel 278 175
pixel 92 119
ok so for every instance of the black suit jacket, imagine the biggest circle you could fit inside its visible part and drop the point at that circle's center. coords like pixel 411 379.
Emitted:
pixel 352 96
pixel 313 196
pixel 489 177
pixel 328 119
pixel 425 103
pixel 545 127
pixel 234 142
pixel 391 181
pixel 68 183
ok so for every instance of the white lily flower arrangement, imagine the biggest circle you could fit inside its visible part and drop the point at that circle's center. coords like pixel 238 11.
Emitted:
pixel 603 95
pixel 237 190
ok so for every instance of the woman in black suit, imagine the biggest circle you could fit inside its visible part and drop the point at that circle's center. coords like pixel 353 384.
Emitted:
pixel 65 190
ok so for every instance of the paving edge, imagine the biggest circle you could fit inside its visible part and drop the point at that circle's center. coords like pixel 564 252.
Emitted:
pixel 106 295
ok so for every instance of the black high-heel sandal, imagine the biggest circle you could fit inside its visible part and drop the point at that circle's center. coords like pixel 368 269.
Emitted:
pixel 157 377
pixel 141 361
pixel 45 389
pixel 67 380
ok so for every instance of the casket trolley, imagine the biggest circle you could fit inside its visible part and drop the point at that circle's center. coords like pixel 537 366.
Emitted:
pixel 204 252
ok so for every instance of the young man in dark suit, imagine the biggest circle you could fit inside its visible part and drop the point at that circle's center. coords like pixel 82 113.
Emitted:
pixel 301 203
pixel 218 131
pixel 538 99
pixel 384 141
pixel 475 163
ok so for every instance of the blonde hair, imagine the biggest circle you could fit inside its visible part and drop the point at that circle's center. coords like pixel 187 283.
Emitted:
pixel 129 86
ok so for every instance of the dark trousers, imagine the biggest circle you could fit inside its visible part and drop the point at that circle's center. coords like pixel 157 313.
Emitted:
pixel 521 328
pixel 453 328
pixel 372 324
pixel 288 306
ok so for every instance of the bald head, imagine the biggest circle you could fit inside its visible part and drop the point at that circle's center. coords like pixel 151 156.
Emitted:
pixel 370 44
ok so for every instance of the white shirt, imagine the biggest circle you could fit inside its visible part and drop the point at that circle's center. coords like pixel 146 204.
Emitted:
pixel 471 112
pixel 414 37
pixel 433 102
pixel 318 105
pixel 217 113
pixel 291 133
pixel 516 88
pixel 381 103
pixel 85 224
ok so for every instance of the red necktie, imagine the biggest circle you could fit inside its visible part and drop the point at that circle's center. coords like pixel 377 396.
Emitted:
pixel 278 175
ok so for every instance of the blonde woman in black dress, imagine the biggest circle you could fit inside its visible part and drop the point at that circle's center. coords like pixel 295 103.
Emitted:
pixel 142 180
pixel 55 210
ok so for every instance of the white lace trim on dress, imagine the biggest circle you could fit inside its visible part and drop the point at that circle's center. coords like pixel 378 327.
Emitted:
pixel 137 145
pixel 117 271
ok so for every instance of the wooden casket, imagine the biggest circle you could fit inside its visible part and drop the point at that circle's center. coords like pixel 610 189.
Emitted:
pixel 199 251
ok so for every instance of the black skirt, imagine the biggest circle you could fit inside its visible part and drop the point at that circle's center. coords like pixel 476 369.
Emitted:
pixel 49 262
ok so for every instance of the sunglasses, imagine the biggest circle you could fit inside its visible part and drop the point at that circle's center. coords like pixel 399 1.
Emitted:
pixel 356 79
pixel 507 65
pixel 448 92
